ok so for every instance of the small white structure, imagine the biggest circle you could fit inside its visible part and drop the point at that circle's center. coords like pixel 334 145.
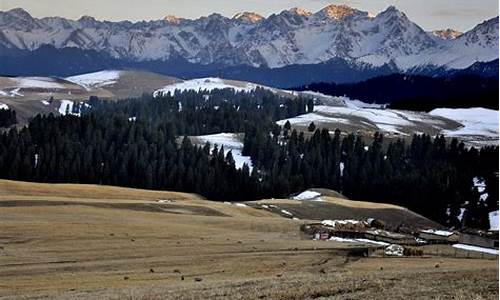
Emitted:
pixel 394 250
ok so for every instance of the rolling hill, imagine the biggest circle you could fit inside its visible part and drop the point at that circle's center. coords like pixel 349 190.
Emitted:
pixel 32 95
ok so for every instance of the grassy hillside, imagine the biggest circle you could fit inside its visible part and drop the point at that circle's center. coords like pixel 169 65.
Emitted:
pixel 24 94
pixel 334 208
pixel 96 242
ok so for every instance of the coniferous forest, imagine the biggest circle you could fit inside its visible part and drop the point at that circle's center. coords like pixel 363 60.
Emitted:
pixel 141 143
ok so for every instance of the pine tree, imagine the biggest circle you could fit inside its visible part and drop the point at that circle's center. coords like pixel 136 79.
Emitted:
pixel 311 127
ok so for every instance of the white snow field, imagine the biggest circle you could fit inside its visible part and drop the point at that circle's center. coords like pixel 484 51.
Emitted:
pixel 476 249
pixel 307 195
pixel 385 120
pixel 438 232
pixel 97 79
pixel 232 143
pixel 475 126
pixel 475 121
pixel 4 106
pixel 37 82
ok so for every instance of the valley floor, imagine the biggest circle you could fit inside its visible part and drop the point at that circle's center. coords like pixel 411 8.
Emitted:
pixel 90 242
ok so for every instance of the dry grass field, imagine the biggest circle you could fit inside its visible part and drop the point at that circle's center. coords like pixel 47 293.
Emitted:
pixel 69 241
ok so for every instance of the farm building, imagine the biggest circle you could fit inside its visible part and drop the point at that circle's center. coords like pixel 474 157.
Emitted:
pixel 349 229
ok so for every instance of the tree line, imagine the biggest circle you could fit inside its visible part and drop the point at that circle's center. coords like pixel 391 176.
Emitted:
pixel 419 93
pixel 142 143
pixel 430 176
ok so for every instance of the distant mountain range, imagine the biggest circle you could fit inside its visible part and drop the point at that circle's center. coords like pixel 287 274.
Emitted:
pixel 294 47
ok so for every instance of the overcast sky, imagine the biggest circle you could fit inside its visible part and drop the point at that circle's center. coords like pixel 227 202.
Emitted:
pixel 430 14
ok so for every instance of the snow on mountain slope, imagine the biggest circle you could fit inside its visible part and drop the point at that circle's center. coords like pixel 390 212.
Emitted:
pixel 231 142
pixel 97 79
pixel 293 36
pixel 475 126
pixel 475 121
pixel 207 84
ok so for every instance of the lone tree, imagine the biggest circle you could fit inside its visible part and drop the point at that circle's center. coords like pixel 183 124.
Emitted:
pixel 311 127
pixel 287 126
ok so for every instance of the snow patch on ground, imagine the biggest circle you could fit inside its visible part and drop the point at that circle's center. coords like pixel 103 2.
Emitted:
pixel 476 249
pixel 66 107
pixel 313 117
pixel 231 143
pixel 45 102
pixel 97 79
pixel 364 241
pixel 475 121
pixel 493 216
pixel 360 104
pixel 4 106
pixel 307 195
pixel 437 232
pixel 334 223
pixel 37 82
pixel 461 215
pixel 16 92
pixel 384 120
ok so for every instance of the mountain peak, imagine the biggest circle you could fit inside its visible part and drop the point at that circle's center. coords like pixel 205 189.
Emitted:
pixel 20 13
pixel 88 21
pixel 247 16
pixel 172 19
pixel 392 10
pixel 447 34
pixel 339 12
pixel 300 11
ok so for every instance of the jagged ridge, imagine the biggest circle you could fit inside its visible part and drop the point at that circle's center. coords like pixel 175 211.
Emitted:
pixel 293 36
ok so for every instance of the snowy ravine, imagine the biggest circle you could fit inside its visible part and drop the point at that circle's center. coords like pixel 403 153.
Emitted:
pixel 231 142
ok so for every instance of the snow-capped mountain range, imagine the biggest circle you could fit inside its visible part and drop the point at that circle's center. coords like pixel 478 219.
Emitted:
pixel 292 37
